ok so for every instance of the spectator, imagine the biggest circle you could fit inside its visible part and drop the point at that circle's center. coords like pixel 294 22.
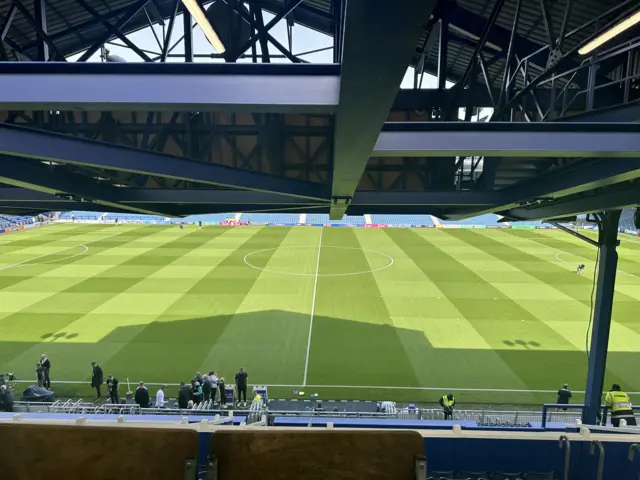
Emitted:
pixel 198 378
pixel 206 388
pixel 196 391
pixel 39 374
pixel 45 365
pixel 190 404
pixel 564 394
pixel 142 396
pixel 160 396
pixel 112 388
pixel 223 395
pixel 241 385
pixel 214 385
pixel 6 399
pixel 97 379
pixel 184 395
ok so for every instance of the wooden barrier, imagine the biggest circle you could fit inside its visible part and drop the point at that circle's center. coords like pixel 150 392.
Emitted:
pixel 276 454
pixel 70 452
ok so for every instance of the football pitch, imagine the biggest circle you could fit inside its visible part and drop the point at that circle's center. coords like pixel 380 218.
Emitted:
pixel 495 315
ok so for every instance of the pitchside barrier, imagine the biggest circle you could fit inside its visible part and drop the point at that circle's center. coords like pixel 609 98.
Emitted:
pixel 551 415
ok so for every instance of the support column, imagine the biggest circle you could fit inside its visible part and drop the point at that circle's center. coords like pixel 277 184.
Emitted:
pixel 188 36
pixel 40 15
pixel 608 241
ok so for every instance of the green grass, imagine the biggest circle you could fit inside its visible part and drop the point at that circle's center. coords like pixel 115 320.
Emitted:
pixel 457 309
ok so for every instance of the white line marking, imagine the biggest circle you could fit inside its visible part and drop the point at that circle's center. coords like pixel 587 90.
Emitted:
pixel 389 257
pixel 577 256
pixel 313 309
pixel 369 387
pixel 53 253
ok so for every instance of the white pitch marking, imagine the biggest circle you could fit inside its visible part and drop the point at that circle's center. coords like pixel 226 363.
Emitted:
pixel 370 387
pixel 53 253
pixel 574 255
pixel 313 309
pixel 384 267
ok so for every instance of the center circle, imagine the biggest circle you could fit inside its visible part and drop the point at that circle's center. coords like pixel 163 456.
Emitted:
pixel 376 260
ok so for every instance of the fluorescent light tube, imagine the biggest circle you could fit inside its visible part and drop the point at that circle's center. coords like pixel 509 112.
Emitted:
pixel 201 19
pixel 609 34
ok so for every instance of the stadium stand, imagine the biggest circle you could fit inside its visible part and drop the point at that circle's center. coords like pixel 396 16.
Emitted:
pixel 259 218
pixel 626 219
pixel 207 218
pixel 488 219
pixel 133 218
pixel 81 215
pixel 402 219
pixel 320 218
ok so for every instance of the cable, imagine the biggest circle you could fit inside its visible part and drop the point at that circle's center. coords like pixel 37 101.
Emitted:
pixel 593 290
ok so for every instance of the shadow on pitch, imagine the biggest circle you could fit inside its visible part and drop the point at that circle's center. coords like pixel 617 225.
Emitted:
pixel 272 346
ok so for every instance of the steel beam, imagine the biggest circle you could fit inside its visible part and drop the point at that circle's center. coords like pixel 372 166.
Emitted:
pixel 585 177
pixel 24 142
pixel 426 198
pixel 36 176
pixel 367 91
pixel 629 112
pixel 439 139
pixel 614 198
pixel 281 88
pixel 607 268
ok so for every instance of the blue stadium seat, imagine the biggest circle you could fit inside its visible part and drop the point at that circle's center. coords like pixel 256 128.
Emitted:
pixel 257 218
pixel 402 219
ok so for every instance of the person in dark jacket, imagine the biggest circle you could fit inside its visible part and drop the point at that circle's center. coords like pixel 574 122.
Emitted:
pixel 45 365
pixel 142 396
pixel 223 400
pixel 6 399
pixel 206 388
pixel 241 385
pixel 184 395
pixel 112 387
pixel 97 378
pixel 39 374
pixel 196 391
pixel 564 394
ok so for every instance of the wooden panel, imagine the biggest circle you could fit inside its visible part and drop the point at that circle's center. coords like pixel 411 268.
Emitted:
pixel 314 455
pixel 79 452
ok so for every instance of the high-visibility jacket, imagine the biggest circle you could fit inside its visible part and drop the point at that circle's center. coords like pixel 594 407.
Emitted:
pixel 448 403
pixel 256 403
pixel 617 401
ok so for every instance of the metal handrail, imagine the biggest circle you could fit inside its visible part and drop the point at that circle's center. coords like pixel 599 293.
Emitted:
pixel 592 446
pixel 632 450
pixel 564 440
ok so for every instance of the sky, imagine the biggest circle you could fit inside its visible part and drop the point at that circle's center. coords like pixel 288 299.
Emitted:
pixel 304 40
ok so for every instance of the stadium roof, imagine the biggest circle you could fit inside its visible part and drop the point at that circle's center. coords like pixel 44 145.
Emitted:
pixel 322 132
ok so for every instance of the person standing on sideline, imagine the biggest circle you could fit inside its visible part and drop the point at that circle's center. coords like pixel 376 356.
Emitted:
pixel 112 388
pixel 620 406
pixel 142 396
pixel 214 385
pixel 241 385
pixel 6 399
pixel 97 378
pixel 200 224
pixel 564 394
pixel 184 395
pixel 39 374
pixel 45 365
pixel 447 402
pixel 160 396
pixel 206 388
pixel 223 399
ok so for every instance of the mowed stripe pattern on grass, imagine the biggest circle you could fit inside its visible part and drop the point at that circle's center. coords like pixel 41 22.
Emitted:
pixel 458 308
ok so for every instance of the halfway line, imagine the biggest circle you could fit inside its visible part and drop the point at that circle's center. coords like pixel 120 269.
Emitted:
pixel 313 309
